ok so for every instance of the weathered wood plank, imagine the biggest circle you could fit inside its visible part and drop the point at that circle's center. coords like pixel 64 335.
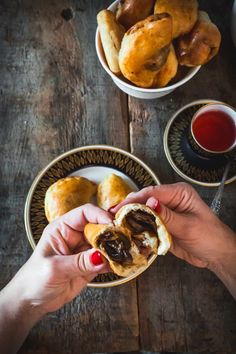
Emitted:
pixel 55 96
pixel 182 308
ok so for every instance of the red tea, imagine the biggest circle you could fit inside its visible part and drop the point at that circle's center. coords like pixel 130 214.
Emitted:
pixel 214 130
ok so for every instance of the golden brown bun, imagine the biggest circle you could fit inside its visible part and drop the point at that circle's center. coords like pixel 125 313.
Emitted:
pixel 111 33
pixel 168 71
pixel 92 233
pixel 183 12
pixel 130 12
pixel 111 191
pixel 201 44
pixel 66 194
pixel 164 237
pixel 144 49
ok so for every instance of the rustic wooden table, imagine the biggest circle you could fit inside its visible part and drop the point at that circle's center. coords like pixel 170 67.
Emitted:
pixel 55 96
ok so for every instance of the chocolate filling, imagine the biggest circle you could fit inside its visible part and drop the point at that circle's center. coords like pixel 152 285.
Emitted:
pixel 140 221
pixel 117 246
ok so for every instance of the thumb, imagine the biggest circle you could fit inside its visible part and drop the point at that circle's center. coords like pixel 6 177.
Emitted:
pixel 173 221
pixel 80 264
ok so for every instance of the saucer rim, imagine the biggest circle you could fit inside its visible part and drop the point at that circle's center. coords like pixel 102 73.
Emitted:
pixel 167 151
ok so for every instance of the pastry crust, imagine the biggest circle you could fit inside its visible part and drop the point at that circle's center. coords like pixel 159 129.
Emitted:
pixel 111 191
pixel 111 33
pixel 129 12
pixel 144 49
pixel 94 233
pixel 168 71
pixel 184 14
pixel 201 44
pixel 66 194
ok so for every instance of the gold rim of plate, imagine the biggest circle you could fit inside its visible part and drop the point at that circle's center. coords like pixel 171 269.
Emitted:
pixel 166 147
pixel 61 157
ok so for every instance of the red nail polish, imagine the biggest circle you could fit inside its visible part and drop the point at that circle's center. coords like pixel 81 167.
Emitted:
pixel 158 207
pixel 96 258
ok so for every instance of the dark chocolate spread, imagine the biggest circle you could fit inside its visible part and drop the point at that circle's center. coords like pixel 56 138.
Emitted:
pixel 116 245
pixel 140 221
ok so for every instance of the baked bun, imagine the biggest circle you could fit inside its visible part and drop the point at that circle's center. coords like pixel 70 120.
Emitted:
pixel 111 191
pixel 201 44
pixel 111 33
pixel 130 12
pixel 183 12
pixel 66 194
pixel 144 49
pixel 169 69
pixel 137 234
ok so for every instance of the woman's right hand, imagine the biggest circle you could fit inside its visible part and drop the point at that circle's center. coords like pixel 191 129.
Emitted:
pixel 198 236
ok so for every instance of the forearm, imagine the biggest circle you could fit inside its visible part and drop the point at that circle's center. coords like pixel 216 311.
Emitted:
pixel 225 265
pixel 17 318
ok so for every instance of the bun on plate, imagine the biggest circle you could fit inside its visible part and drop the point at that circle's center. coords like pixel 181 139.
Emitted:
pixel 111 191
pixel 66 194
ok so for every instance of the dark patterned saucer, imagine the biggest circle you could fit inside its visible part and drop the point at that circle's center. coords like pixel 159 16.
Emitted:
pixel 93 162
pixel 182 152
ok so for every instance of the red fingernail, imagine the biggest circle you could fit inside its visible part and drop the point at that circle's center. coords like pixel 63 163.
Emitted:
pixel 96 258
pixel 157 207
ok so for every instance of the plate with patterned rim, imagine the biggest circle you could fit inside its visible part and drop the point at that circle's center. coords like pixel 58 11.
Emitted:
pixel 181 150
pixel 93 162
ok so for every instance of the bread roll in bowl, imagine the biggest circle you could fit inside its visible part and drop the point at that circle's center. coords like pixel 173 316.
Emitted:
pixel 201 44
pixel 183 12
pixel 144 49
pixel 168 70
pixel 129 12
pixel 111 33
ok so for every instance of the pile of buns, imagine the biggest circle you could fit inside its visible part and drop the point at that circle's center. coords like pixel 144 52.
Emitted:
pixel 136 233
pixel 146 40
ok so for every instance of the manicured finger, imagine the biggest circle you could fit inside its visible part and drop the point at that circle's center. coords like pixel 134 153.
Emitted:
pixel 154 204
pixel 83 264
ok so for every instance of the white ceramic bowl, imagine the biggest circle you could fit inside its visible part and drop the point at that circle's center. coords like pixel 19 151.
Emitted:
pixel 133 90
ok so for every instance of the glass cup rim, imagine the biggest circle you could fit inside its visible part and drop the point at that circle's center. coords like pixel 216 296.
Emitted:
pixel 203 108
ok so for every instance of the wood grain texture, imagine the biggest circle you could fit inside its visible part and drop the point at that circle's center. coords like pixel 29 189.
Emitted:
pixel 54 97
pixel 182 308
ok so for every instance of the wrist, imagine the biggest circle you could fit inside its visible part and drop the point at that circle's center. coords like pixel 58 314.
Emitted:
pixel 224 262
pixel 17 305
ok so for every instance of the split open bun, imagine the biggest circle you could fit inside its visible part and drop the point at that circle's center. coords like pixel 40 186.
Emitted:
pixel 137 234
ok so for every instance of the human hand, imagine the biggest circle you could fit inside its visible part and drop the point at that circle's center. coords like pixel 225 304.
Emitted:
pixel 61 265
pixel 198 236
